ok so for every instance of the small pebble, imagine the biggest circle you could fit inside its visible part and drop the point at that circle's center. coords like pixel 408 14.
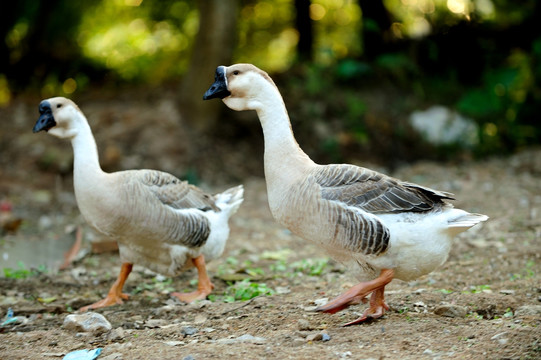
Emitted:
pixel 199 304
pixel 174 343
pixel 314 337
pixel 497 336
pixel 282 290
pixel 246 338
pixel 154 323
pixel 188 331
pixel 88 322
pixel 453 311
pixel 165 309
pixel 325 336
pixel 298 342
pixel 117 334
pixel 113 356
pixel 304 324
pixel 528 310
pixel 321 301
pixel 251 339
pixel 199 319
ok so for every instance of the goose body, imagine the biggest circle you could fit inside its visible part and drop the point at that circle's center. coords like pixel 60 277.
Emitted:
pixel 383 227
pixel 336 206
pixel 159 221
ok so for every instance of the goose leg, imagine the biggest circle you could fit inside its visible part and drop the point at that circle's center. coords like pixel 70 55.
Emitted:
pixel 204 286
pixel 357 294
pixel 115 295
pixel 74 250
pixel 377 307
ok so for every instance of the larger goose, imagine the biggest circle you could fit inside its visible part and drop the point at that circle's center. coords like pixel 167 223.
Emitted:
pixel 385 227
pixel 159 222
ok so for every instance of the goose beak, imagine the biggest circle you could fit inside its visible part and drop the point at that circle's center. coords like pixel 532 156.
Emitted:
pixel 46 118
pixel 219 88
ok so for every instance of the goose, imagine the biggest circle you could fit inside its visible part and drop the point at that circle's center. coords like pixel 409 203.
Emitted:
pixel 381 227
pixel 158 221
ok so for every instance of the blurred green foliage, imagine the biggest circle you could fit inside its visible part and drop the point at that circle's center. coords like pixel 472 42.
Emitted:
pixel 480 57
pixel 501 99
pixel 265 34
pixel 150 41
pixel 140 40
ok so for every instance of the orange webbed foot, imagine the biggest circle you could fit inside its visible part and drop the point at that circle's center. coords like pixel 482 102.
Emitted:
pixel 373 312
pixel 199 294
pixel 353 296
pixel 358 293
pixel 204 287
pixel 115 295
pixel 110 300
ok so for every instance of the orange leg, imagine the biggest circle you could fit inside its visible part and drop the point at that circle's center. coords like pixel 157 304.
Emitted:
pixel 115 295
pixel 204 287
pixel 377 308
pixel 72 253
pixel 357 294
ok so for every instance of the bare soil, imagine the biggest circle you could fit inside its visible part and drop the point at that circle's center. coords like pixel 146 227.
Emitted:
pixel 491 281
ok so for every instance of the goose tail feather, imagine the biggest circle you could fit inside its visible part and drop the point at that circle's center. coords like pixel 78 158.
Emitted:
pixel 230 200
pixel 464 222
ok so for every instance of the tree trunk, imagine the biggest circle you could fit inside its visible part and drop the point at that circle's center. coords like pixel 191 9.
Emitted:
pixel 303 24
pixel 376 28
pixel 213 46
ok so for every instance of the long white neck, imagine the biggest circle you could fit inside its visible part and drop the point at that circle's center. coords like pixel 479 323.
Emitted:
pixel 284 159
pixel 86 165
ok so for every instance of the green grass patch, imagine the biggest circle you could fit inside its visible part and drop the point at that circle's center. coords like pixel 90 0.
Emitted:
pixel 22 272
pixel 245 290
pixel 312 267
pixel 526 272
pixel 478 289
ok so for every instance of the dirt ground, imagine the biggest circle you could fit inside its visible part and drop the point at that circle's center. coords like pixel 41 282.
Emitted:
pixel 484 303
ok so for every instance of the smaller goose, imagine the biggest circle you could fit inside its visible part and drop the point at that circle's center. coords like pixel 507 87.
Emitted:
pixel 383 227
pixel 159 221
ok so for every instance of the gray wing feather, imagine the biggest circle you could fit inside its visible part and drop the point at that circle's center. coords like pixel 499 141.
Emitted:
pixel 158 199
pixel 375 192
pixel 346 186
pixel 177 193
pixel 192 231
pixel 358 233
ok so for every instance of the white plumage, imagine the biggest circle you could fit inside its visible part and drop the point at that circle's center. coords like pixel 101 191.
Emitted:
pixel 159 221
pixel 385 227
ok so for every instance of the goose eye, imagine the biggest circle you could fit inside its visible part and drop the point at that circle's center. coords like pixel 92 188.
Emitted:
pixel 58 106
pixel 236 72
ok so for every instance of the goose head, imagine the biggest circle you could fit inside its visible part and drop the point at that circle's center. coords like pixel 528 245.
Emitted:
pixel 59 117
pixel 241 87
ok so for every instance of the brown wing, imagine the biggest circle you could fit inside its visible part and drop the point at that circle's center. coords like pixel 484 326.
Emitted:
pixel 375 192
